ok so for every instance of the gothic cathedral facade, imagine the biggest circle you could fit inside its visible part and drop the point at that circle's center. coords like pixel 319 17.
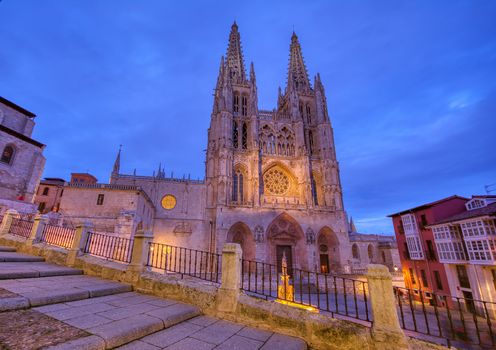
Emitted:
pixel 272 179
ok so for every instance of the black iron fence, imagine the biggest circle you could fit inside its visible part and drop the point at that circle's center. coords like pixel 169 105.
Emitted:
pixel 185 261
pixel 330 293
pixel 58 236
pixel 457 320
pixel 109 247
pixel 21 227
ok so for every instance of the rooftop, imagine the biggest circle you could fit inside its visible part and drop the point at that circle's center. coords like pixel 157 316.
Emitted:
pixel 489 210
pixel 428 205
pixel 17 107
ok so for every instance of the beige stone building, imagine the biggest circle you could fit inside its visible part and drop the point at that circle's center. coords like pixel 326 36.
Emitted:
pixel 21 158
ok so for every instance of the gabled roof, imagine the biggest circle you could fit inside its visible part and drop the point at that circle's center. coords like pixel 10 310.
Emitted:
pixel 428 205
pixel 17 107
pixel 489 210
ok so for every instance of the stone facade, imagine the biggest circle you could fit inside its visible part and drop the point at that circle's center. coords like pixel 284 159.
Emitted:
pixel 272 179
pixel 22 160
pixel 49 194
pixel 112 209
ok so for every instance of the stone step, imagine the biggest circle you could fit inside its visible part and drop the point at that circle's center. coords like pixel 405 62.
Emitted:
pixel 33 292
pixel 118 319
pixel 16 270
pixel 6 249
pixel 18 257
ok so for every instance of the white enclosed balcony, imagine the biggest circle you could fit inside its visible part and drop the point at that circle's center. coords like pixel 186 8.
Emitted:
pixel 412 235
pixel 480 239
pixel 449 244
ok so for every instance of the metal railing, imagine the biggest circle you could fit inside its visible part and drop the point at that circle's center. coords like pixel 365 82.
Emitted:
pixel 21 227
pixel 58 235
pixel 185 261
pixel 330 293
pixel 457 320
pixel 109 247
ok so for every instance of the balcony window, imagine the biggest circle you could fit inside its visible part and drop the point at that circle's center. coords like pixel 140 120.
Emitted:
pixel 461 271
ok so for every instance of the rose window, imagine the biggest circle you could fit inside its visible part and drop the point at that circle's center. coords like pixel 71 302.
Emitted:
pixel 276 182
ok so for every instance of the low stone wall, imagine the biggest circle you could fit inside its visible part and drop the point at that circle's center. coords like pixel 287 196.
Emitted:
pixel 318 330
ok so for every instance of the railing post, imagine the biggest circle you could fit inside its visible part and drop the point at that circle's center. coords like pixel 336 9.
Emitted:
pixel 7 221
pixel 80 237
pixel 386 326
pixel 37 229
pixel 228 293
pixel 139 256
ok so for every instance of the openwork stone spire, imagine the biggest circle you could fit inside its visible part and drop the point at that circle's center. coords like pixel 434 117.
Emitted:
pixel 297 71
pixel 234 58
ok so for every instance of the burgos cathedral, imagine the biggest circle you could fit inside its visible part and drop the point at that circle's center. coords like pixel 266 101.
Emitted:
pixel 272 179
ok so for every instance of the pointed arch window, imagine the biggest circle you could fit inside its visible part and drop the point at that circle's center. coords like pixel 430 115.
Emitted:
pixel 236 102
pixel 370 252
pixel 314 192
pixel 238 187
pixel 301 110
pixel 354 251
pixel 309 114
pixel 244 137
pixel 235 134
pixel 244 105
pixel 310 141
pixel 8 154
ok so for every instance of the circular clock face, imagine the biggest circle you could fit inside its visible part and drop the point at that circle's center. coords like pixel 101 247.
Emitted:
pixel 168 202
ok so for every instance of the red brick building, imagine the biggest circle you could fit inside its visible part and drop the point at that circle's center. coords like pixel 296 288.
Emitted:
pixel 422 270
pixel 83 178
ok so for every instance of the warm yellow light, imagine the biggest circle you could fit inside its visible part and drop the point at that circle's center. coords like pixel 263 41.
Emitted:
pixel 166 250
pixel 299 306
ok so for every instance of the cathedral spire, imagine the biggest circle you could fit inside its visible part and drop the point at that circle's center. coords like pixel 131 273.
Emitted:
pixel 297 71
pixel 234 57
pixel 117 163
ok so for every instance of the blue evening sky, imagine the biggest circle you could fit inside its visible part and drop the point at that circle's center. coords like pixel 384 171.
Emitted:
pixel 411 86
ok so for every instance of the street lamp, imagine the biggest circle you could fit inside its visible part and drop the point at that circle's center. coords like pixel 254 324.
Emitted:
pixel 395 268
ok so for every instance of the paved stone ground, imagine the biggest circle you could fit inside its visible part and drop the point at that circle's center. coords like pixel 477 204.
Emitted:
pixel 34 269
pixel 101 314
pixel 205 332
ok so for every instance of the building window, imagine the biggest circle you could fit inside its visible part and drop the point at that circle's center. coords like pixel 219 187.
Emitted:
pixel 383 257
pixel 238 194
pixel 461 271
pixel 423 219
pixel 493 272
pixel 430 251
pixel 355 252
pixel 244 105
pixel 314 192
pixel 99 201
pixel 412 276
pixel 235 134
pixel 41 207
pixel 370 252
pixel 439 283
pixel 244 138
pixel 7 154
pixel 309 114
pixel 401 230
pixel 45 191
pixel 424 278
pixel 406 253
pixel 236 102
pixel 310 141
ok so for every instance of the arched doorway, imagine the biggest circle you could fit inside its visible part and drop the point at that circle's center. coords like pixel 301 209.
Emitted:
pixel 328 244
pixel 285 237
pixel 240 233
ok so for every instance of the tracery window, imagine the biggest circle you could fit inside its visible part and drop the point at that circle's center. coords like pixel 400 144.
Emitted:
pixel 276 182
pixel 314 192
pixel 309 114
pixel 244 105
pixel 280 143
pixel 237 193
pixel 235 134
pixel 310 141
pixel 7 154
pixel 236 102
pixel 244 138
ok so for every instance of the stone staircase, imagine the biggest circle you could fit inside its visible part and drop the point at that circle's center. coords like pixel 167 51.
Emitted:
pixel 113 316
